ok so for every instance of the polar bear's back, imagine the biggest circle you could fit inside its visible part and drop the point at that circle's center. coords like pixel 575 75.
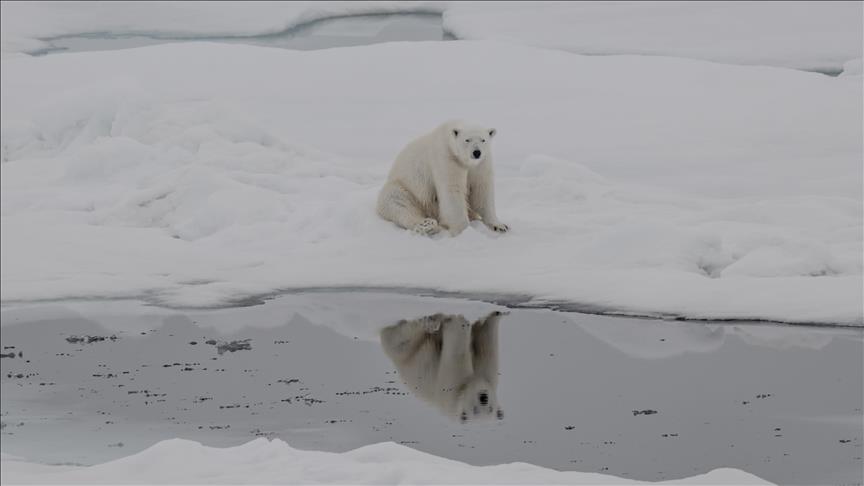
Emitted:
pixel 414 168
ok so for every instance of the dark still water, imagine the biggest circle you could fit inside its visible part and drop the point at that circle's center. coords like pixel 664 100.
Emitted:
pixel 87 382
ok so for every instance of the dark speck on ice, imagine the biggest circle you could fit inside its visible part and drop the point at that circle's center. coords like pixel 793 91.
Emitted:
pixel 644 412
pixel 239 345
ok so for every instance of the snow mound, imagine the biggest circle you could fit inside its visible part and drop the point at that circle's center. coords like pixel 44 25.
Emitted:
pixel 263 461
pixel 809 36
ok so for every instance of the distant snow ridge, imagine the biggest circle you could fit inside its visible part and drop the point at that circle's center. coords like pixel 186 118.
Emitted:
pixel 260 461
pixel 812 37
pixel 819 36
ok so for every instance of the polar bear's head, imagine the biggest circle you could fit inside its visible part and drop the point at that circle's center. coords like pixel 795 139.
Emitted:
pixel 470 144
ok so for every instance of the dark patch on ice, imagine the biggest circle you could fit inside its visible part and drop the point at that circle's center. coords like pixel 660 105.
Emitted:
pixel 90 339
pixel 196 282
pixel 233 346
pixel 262 433
pixel 833 72
pixel 826 70
pixel 412 24
pixel 644 412
pixel 389 390
pixel 148 202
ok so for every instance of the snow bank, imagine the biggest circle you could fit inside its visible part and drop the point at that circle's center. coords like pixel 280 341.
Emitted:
pixel 816 36
pixel 261 461
pixel 193 175
pixel 853 67
pixel 803 35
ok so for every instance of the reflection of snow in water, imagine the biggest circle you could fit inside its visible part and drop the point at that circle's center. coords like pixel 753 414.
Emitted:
pixel 352 314
pixel 645 338
pixel 642 338
pixel 364 314
pixel 784 338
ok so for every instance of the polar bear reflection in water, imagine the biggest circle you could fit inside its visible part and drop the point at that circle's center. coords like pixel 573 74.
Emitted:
pixel 449 362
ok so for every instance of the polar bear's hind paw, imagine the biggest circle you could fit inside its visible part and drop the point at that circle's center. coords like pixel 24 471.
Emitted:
pixel 427 227
pixel 500 228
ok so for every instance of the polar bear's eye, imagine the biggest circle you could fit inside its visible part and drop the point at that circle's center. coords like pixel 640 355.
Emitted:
pixel 483 140
pixel 467 140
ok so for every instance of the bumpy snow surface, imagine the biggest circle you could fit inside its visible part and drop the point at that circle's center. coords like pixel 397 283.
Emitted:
pixel 633 184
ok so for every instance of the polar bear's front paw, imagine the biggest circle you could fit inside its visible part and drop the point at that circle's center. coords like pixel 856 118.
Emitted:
pixel 427 227
pixel 499 227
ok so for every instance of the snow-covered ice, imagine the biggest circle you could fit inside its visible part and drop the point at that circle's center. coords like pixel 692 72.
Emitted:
pixel 801 35
pixel 200 173
pixel 262 461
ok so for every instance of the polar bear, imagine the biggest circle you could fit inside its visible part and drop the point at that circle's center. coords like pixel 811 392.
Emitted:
pixel 443 180
pixel 449 362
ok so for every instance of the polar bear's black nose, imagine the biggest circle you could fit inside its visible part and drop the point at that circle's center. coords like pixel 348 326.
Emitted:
pixel 476 154
pixel 484 398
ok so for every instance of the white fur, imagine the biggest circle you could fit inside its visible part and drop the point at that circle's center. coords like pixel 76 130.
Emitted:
pixel 448 362
pixel 436 182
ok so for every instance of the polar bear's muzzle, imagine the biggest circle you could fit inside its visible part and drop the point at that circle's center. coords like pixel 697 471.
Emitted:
pixel 476 154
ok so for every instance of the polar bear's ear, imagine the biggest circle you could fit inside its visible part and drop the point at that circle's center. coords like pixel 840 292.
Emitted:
pixel 492 132
pixel 455 133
